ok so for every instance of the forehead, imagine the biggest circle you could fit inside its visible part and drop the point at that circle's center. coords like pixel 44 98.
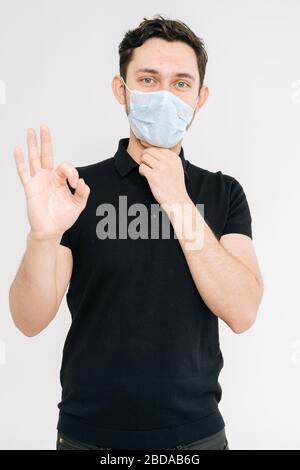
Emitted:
pixel 164 56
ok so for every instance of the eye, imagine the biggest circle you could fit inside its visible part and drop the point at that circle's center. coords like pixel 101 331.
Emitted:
pixel 182 83
pixel 147 82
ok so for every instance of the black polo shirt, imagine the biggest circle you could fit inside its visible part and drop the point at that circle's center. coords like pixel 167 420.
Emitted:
pixel 142 357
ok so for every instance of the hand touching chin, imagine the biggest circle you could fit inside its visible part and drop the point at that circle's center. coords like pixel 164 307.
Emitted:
pixel 145 144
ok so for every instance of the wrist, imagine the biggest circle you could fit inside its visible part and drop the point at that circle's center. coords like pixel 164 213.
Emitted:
pixel 177 203
pixel 36 237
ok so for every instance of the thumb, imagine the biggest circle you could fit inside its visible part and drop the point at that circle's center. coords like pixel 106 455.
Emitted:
pixel 81 194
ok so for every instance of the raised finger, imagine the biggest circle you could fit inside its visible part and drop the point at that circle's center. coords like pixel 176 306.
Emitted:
pixel 46 148
pixel 33 154
pixel 21 166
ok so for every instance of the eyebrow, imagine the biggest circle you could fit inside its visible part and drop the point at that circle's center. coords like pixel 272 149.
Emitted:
pixel 156 72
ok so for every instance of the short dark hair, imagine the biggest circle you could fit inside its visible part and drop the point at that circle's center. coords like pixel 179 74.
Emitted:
pixel 160 27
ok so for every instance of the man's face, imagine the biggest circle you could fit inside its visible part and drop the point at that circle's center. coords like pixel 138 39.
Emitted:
pixel 162 65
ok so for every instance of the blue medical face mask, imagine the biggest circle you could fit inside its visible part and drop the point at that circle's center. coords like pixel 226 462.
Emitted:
pixel 159 118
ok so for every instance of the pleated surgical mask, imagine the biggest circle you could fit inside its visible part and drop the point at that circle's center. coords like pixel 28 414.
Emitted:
pixel 158 118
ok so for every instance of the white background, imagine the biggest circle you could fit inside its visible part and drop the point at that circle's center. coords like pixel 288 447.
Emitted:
pixel 57 59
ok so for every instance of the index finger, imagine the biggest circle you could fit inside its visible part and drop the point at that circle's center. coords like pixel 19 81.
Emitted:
pixel 46 148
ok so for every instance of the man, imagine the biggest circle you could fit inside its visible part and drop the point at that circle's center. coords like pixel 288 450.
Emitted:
pixel 142 358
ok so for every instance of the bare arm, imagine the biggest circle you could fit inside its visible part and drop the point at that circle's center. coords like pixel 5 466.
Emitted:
pixel 40 284
pixel 226 273
pixel 45 270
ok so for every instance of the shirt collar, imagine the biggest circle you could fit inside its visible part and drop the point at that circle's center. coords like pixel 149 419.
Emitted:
pixel 125 163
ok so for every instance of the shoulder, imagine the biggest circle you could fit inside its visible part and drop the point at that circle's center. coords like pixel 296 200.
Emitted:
pixel 214 179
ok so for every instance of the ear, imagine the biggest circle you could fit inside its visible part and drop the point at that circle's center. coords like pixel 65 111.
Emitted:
pixel 118 89
pixel 203 95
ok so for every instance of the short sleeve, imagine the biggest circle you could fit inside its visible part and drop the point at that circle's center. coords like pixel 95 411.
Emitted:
pixel 239 217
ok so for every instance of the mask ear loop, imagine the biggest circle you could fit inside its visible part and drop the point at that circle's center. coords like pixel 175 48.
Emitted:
pixel 125 86
pixel 193 113
pixel 125 83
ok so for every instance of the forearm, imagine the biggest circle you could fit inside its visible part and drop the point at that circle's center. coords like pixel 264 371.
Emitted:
pixel 226 285
pixel 33 293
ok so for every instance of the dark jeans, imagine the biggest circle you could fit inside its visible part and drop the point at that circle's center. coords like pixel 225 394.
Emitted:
pixel 216 441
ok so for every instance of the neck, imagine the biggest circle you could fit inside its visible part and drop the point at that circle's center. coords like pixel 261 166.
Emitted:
pixel 136 147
